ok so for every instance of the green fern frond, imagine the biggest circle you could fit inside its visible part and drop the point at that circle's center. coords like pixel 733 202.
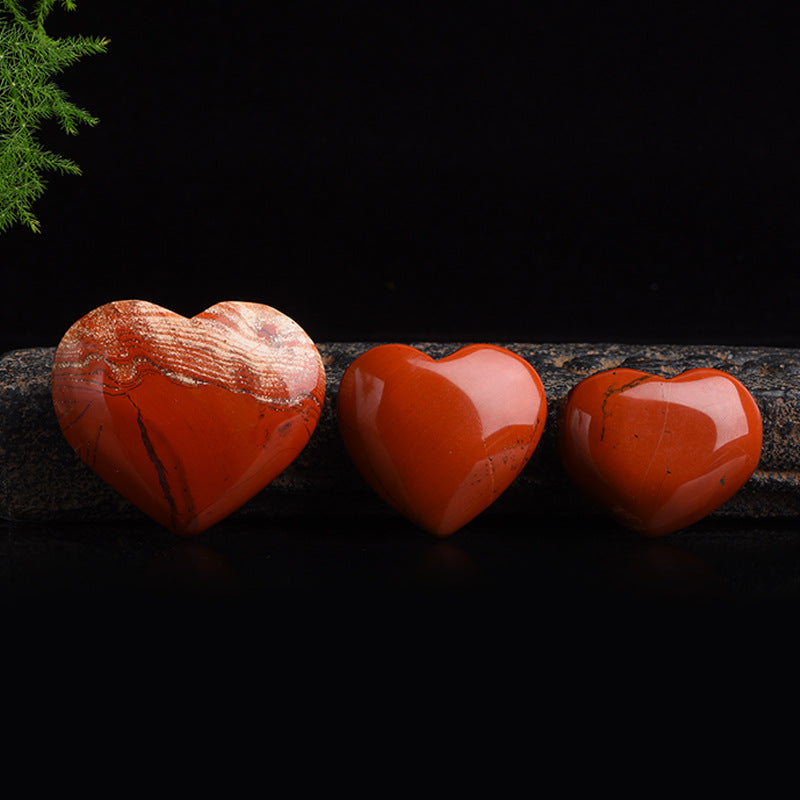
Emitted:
pixel 29 58
pixel 44 7
pixel 13 8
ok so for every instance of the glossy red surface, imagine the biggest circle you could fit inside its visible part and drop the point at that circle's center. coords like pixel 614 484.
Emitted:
pixel 440 440
pixel 660 454
pixel 187 418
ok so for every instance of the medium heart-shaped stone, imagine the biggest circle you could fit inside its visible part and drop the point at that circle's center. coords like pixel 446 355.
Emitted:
pixel 659 454
pixel 187 418
pixel 439 441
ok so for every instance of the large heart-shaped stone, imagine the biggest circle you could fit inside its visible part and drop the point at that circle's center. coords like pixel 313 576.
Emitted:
pixel 188 418
pixel 440 440
pixel 658 454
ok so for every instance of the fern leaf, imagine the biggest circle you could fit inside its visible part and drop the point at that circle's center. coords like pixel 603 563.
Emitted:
pixel 29 58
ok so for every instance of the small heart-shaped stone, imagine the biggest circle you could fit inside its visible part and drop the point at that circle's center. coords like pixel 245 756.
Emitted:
pixel 659 454
pixel 440 441
pixel 187 418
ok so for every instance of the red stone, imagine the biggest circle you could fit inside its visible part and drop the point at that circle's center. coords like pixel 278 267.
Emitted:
pixel 440 441
pixel 659 454
pixel 187 418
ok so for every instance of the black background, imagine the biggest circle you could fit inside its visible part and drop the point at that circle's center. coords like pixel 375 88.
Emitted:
pixel 410 171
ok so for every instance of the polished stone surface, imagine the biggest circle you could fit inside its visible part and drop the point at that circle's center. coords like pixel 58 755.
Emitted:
pixel 440 441
pixel 42 480
pixel 660 454
pixel 187 418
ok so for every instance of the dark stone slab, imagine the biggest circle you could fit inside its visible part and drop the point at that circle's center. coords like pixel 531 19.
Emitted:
pixel 41 478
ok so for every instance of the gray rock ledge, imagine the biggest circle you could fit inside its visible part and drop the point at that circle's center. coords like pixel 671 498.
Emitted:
pixel 41 478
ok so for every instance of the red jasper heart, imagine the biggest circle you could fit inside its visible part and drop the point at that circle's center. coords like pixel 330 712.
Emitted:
pixel 659 454
pixel 440 441
pixel 187 418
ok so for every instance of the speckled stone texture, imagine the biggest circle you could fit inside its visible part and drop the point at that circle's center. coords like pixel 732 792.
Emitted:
pixel 41 478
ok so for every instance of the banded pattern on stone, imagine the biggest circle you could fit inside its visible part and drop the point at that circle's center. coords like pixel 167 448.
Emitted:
pixel 187 418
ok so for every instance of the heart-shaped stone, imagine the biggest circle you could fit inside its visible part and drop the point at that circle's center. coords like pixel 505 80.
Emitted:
pixel 187 418
pixel 440 440
pixel 659 454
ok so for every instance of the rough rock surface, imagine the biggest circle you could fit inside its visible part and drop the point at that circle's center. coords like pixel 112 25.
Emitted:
pixel 41 479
